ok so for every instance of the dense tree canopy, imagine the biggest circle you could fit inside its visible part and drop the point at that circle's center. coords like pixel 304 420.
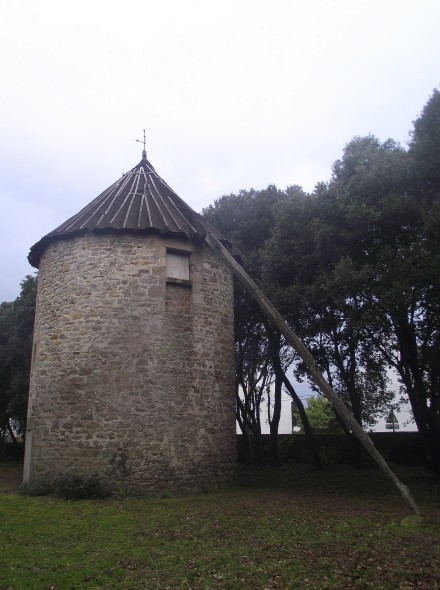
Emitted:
pixel 354 269
pixel 16 330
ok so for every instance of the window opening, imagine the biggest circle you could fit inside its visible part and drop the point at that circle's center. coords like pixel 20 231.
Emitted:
pixel 177 266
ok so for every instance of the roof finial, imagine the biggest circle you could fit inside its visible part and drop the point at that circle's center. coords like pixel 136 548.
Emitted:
pixel 144 151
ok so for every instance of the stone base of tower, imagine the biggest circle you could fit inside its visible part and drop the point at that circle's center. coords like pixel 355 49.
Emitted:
pixel 132 377
pixel 124 471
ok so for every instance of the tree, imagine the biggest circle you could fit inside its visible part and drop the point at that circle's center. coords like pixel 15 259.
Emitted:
pixel 425 146
pixel 421 337
pixel 246 219
pixel 253 373
pixel 396 254
pixel 292 339
pixel 16 332
pixel 389 262
pixel 304 263
pixel 355 269
pixel 6 323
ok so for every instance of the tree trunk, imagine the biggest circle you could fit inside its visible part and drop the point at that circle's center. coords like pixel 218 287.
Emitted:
pixel 274 424
pixel 311 365
pixel 279 372
pixel 247 448
pixel 11 433
pixel 306 424
pixel 251 430
pixel 359 451
pixel 412 377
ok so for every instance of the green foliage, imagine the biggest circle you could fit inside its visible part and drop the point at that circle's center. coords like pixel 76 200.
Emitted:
pixel 321 416
pixel 425 145
pixel 318 288
pixel 16 331
pixel 39 487
pixel 73 487
pixel 247 219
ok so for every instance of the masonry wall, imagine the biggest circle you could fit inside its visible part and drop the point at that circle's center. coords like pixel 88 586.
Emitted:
pixel 132 375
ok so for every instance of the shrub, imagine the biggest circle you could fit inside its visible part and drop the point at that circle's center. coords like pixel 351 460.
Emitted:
pixel 73 487
pixel 68 487
pixel 39 487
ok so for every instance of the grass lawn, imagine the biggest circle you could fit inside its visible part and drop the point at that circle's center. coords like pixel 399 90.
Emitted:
pixel 288 528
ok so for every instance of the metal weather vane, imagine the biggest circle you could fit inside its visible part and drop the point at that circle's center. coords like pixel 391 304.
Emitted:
pixel 144 151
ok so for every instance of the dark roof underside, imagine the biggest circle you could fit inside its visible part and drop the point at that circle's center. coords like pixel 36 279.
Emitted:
pixel 140 202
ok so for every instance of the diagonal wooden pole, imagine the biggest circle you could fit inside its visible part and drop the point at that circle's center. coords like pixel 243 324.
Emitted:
pixel 290 336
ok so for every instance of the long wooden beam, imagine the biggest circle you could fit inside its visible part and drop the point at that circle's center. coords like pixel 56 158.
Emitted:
pixel 295 342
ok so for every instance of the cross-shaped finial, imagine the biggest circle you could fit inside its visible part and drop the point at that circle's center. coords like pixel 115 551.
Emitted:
pixel 144 151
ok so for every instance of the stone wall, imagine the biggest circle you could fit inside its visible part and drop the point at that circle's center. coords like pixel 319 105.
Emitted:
pixel 132 373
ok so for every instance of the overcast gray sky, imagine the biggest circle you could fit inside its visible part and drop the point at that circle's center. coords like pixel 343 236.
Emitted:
pixel 233 95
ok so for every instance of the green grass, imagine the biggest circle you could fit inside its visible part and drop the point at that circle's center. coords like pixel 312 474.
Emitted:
pixel 292 528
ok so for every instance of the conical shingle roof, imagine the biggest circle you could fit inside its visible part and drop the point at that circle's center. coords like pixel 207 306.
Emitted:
pixel 141 202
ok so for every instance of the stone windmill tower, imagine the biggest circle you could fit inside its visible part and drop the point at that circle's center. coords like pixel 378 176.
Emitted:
pixel 132 375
